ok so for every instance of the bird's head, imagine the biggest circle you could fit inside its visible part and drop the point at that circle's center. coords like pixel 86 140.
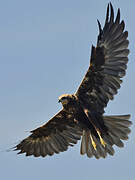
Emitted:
pixel 66 99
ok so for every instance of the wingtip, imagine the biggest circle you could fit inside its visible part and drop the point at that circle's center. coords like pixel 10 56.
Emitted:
pixel 107 13
pixel 99 26
pixel 117 21
pixel 112 13
pixel 123 24
pixel 110 10
pixel 93 47
pixel 110 3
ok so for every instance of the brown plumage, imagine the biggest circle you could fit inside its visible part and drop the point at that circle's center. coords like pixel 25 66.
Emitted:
pixel 82 113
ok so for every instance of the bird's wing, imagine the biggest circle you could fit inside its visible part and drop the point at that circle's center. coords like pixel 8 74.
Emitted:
pixel 107 65
pixel 53 137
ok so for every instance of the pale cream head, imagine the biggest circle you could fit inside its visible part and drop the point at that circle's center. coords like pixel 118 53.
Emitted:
pixel 65 98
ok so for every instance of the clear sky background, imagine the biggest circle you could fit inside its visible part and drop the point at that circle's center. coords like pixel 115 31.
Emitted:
pixel 44 52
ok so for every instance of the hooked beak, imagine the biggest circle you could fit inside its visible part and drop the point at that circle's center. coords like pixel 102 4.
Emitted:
pixel 59 101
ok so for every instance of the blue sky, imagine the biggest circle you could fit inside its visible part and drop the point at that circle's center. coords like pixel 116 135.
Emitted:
pixel 44 52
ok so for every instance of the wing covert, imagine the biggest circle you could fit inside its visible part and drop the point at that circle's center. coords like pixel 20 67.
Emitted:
pixel 108 64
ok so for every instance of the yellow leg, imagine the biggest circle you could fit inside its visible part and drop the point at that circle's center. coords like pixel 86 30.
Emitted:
pixel 101 139
pixel 93 142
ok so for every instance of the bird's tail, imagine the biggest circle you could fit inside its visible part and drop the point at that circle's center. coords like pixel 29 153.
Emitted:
pixel 100 146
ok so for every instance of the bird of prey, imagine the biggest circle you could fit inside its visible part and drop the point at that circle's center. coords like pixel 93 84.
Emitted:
pixel 82 116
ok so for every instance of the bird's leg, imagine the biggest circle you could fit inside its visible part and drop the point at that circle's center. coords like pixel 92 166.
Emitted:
pixel 101 139
pixel 93 142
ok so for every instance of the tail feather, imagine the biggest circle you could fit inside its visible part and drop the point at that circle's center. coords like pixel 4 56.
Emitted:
pixel 118 130
pixel 122 120
pixel 100 148
pixel 109 149
pixel 93 148
pixel 89 150
pixel 83 143
pixel 119 127
pixel 119 133
pixel 87 146
pixel 116 140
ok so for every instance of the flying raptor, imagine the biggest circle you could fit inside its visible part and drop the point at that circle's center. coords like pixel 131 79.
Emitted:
pixel 82 116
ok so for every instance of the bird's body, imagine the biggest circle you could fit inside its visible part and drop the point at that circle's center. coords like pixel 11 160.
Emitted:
pixel 83 112
pixel 71 104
